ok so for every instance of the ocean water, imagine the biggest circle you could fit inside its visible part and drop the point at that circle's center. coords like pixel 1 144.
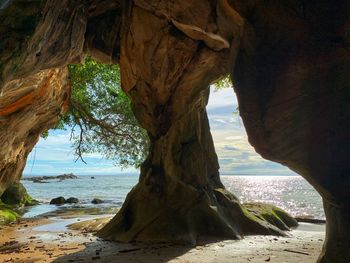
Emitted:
pixel 291 193
pixel 110 188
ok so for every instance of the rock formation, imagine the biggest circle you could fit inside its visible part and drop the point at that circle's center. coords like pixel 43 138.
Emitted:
pixel 28 107
pixel 293 90
pixel 16 195
pixel 288 60
pixel 38 38
pixel 45 178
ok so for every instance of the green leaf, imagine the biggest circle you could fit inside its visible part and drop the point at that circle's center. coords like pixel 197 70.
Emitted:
pixel 100 116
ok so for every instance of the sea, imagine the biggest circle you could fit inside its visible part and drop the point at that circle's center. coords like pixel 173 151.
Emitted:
pixel 292 193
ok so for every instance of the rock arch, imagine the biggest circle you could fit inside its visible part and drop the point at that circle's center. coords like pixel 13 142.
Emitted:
pixel 289 62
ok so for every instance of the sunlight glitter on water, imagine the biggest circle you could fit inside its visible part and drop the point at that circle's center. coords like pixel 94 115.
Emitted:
pixel 291 193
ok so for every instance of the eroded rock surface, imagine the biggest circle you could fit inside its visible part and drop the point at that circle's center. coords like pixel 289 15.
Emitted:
pixel 28 107
pixel 291 78
pixel 38 35
pixel 169 57
pixel 289 61
pixel 16 195
pixel 38 39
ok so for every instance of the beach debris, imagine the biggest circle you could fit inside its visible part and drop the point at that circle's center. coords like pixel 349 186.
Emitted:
pixel 40 247
pixel 129 250
pixel 69 248
pixel 10 246
pixel 310 220
pixel 268 259
pixel 297 252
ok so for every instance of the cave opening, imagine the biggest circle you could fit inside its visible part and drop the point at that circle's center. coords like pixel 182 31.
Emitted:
pixel 232 148
pixel 245 173
pixel 236 157
pixel 93 196
pixel 290 64
pixel 98 137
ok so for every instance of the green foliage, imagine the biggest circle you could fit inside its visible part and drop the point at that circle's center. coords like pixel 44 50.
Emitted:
pixel 100 115
pixel 223 83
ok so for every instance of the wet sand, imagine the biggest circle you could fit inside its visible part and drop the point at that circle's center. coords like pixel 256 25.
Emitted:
pixel 49 240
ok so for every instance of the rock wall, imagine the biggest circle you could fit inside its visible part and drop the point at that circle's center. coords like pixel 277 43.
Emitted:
pixel 289 62
pixel 38 35
pixel 293 87
pixel 38 39
pixel 28 107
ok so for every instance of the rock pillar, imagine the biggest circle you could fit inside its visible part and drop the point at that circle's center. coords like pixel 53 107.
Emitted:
pixel 166 68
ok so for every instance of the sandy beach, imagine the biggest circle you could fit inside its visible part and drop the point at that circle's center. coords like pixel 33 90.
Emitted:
pixel 48 239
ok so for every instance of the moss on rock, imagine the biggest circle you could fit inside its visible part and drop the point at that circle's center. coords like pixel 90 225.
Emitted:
pixel 270 213
pixel 7 214
pixel 16 195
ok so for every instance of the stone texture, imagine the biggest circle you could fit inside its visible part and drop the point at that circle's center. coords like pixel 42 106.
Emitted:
pixel 293 89
pixel 38 35
pixel 16 195
pixel 72 200
pixel 28 107
pixel 102 31
pixel 167 68
pixel 289 61
pixel 58 201
pixel 38 38
pixel 97 201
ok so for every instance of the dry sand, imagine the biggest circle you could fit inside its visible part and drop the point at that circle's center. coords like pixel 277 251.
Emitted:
pixel 48 240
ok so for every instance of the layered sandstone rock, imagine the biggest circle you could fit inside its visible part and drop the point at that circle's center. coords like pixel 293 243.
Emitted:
pixel 28 107
pixel 293 87
pixel 289 61
pixel 38 38
pixel 38 35
pixel 169 57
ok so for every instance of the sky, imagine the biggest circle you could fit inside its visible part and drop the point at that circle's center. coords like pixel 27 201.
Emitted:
pixel 54 155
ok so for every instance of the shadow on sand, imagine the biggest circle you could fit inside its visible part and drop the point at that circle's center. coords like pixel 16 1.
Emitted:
pixel 105 251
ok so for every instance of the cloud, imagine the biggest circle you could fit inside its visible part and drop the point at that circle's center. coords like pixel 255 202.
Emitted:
pixel 222 98
pixel 236 155
pixel 54 155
